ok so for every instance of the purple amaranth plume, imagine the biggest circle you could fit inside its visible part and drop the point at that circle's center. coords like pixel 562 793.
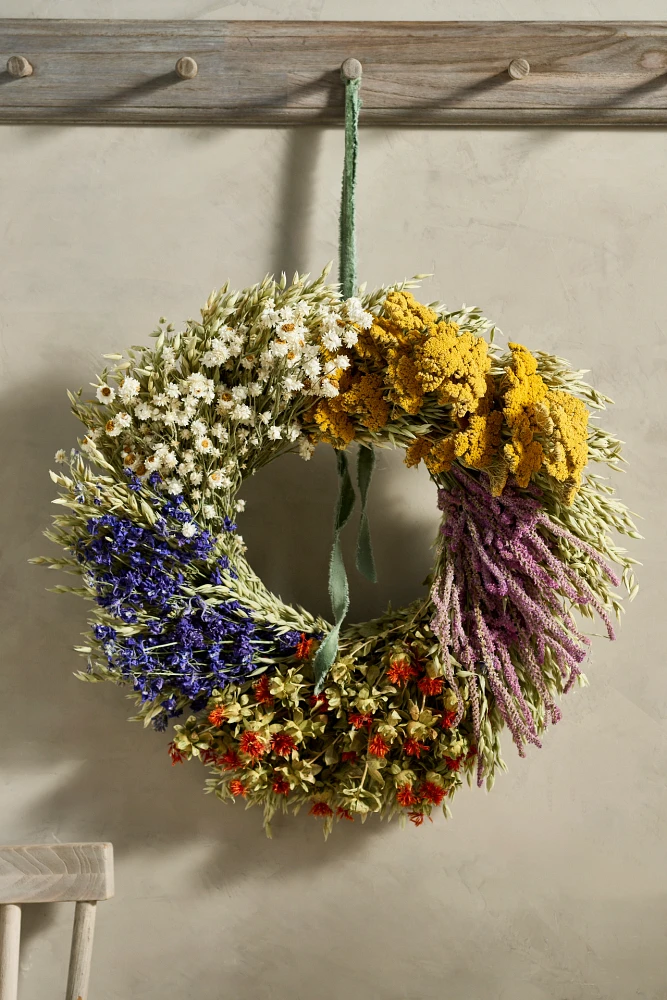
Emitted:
pixel 501 600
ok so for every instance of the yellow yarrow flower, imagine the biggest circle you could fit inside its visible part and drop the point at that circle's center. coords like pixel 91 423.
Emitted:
pixel 334 426
pixel 406 389
pixel 441 455
pixel 403 310
pixel 567 459
pixel 365 399
pixel 453 365
pixel 548 427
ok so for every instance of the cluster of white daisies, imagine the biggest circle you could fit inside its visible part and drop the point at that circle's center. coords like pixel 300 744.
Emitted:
pixel 206 407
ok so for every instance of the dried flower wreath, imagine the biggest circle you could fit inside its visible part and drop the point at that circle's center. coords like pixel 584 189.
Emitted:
pixel 286 710
pixel 412 701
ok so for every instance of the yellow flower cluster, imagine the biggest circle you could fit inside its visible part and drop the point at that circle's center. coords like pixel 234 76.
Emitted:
pixel 508 424
pixel 547 427
pixel 405 354
pixel 476 444
pixel 361 396
pixel 525 412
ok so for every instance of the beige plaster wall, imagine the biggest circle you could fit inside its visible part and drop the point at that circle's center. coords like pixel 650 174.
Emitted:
pixel 554 887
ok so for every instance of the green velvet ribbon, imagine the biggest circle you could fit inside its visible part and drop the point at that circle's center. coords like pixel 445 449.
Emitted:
pixel 347 242
pixel 339 591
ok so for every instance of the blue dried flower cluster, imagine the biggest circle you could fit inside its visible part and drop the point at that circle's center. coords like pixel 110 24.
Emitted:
pixel 202 648
pixel 136 568
pixel 184 643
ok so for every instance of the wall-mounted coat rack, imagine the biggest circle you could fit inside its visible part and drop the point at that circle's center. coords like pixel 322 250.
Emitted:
pixel 288 72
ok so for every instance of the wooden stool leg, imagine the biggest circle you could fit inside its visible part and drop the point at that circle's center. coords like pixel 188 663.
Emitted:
pixel 82 952
pixel 10 939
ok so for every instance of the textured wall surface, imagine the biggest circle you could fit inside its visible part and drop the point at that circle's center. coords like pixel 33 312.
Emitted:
pixel 554 887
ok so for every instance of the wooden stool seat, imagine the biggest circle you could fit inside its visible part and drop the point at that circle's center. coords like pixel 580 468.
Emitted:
pixel 52 873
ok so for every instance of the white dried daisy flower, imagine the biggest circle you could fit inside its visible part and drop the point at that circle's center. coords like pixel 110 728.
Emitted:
pixel 129 389
pixel 328 389
pixel 312 367
pixel 143 411
pixel 189 529
pixel 291 384
pixel 61 455
pixel 205 446
pixel 331 340
pixel 200 388
pixel 105 393
pixel 218 354
pixel 113 428
pixel 220 432
pixel 355 313
pixel 243 413
pixel 199 427
pixel 217 480
pixel 174 486
pixel 279 348
pixel 306 448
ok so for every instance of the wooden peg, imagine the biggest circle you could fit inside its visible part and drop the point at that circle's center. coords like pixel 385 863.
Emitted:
pixel 19 66
pixel 519 69
pixel 187 68
pixel 351 69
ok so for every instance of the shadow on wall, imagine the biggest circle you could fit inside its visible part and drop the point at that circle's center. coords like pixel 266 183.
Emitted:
pixel 78 771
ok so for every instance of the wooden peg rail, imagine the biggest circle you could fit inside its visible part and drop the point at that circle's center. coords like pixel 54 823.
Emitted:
pixel 507 73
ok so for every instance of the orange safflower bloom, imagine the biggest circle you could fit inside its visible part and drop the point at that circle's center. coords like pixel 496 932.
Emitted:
pixel 378 746
pixel 263 691
pixel 448 719
pixel 405 796
pixel 413 747
pixel 360 719
pixel 430 792
pixel 319 701
pixel 417 818
pixel 230 760
pixel 217 715
pixel 251 744
pixel 281 786
pixel 237 788
pixel 344 814
pixel 431 685
pixel 304 647
pixel 283 744
pixel 175 754
pixel 452 763
pixel 400 672
pixel 349 755
pixel 320 809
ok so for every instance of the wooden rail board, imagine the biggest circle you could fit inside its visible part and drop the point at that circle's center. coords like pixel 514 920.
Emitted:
pixel 288 72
